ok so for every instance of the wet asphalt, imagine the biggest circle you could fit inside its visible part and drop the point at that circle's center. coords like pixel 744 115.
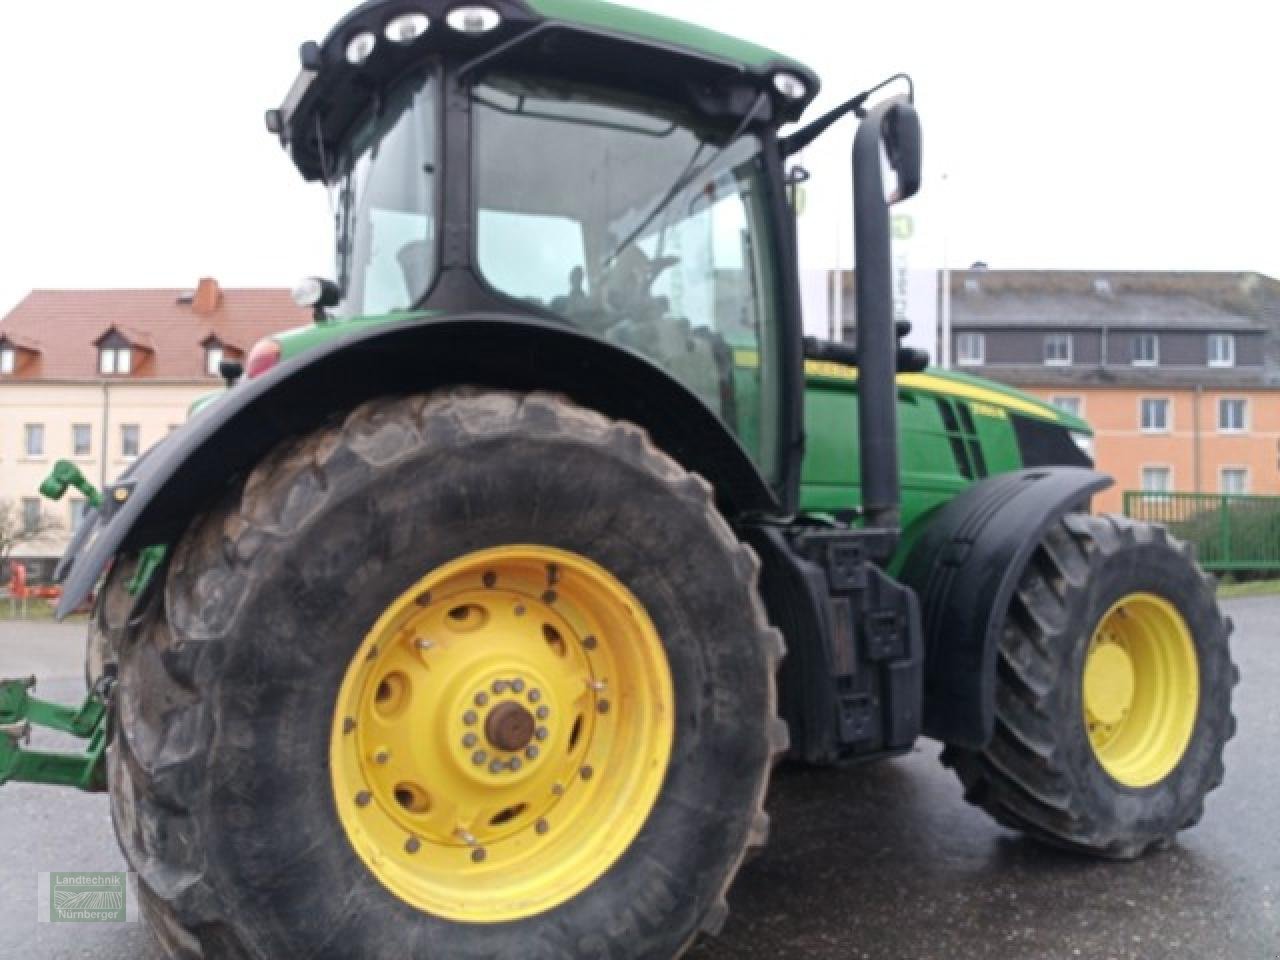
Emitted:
pixel 884 862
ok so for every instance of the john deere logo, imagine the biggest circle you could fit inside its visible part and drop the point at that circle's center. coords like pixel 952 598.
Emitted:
pixel 87 897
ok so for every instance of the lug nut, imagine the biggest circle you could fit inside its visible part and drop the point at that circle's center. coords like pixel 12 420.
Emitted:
pixel 482 699
pixel 514 764
pixel 542 733
pixel 542 827
pixel 499 686
pixel 535 695
pixel 519 610
pixel 363 798
pixel 558 790
pixel 532 753
pixel 590 642
pixel 470 740
pixel 490 579
pixel 412 845
pixel 478 855
pixel 603 706
pixel 544 712
pixel 549 597
pixel 496 766
pixel 587 773
pixel 479 758
pixel 382 756
pixel 348 725
pixel 517 685
pixel 470 718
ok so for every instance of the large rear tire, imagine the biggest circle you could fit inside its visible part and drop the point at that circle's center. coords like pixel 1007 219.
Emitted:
pixel 396 550
pixel 1113 694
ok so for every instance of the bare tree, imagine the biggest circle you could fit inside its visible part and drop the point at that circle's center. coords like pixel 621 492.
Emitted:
pixel 16 528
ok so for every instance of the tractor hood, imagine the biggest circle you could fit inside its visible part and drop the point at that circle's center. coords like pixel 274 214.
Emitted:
pixel 978 390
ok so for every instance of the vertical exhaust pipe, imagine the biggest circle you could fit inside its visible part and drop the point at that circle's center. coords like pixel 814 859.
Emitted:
pixel 895 127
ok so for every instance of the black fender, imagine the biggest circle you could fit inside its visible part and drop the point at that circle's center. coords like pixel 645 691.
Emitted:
pixel 194 466
pixel 965 568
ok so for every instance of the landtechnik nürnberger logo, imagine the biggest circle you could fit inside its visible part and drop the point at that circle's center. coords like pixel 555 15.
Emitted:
pixel 87 897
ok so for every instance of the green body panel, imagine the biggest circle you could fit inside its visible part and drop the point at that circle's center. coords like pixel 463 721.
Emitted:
pixel 954 430
pixel 658 29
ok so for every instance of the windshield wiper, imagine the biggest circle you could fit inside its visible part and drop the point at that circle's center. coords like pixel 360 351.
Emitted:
pixel 688 175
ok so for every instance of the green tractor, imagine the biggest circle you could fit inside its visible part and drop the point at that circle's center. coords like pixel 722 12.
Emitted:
pixel 456 628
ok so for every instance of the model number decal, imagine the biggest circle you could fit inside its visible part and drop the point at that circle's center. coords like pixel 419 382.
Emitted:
pixel 987 410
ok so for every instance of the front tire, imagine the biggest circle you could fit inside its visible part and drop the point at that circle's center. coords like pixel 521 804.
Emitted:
pixel 243 694
pixel 1113 693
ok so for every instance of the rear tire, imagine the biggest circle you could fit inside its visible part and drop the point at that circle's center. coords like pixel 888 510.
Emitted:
pixel 220 773
pixel 1042 773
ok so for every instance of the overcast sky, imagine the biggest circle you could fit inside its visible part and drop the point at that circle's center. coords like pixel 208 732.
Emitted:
pixel 1125 135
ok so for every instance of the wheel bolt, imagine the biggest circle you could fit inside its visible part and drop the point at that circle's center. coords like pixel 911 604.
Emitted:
pixel 496 766
pixel 544 712
pixel 478 855
pixel 348 725
pixel 382 756
pixel 519 610
pixel 542 733
pixel 412 845
pixel 514 764
pixel 363 798
pixel 479 758
pixel 470 740
pixel 482 699
pixel 499 686
pixel 532 753
pixel 558 790
pixel 542 827
pixel 549 597
pixel 587 773
pixel 590 642
pixel 470 718
pixel 517 685
pixel 535 695
pixel 603 706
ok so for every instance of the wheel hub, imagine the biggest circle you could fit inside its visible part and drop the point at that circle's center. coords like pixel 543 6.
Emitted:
pixel 503 734
pixel 510 727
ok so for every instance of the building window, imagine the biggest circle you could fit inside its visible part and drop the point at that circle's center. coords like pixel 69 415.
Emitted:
pixel 1145 350
pixel 1222 350
pixel 81 439
pixel 129 440
pixel 1234 480
pixel 1057 350
pixel 79 509
pixel 971 349
pixel 1233 415
pixel 30 515
pixel 1154 414
pixel 213 357
pixel 1071 405
pixel 1157 479
pixel 114 361
pixel 8 360
pixel 33 442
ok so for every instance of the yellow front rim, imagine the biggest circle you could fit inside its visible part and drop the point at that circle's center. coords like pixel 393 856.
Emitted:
pixel 1141 689
pixel 502 734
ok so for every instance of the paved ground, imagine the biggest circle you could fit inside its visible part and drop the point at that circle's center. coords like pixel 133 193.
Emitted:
pixel 885 862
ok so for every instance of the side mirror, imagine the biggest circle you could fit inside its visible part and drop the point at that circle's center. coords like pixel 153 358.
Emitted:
pixel 900 130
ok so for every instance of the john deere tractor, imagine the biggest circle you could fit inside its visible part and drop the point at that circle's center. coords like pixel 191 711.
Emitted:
pixel 456 628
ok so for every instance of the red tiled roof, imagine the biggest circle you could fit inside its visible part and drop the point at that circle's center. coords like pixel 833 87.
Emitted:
pixel 64 326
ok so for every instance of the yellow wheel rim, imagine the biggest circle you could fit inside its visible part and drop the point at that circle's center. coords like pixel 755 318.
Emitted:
pixel 1141 690
pixel 502 734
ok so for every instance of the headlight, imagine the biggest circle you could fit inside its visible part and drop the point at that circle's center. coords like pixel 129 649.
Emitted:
pixel 360 48
pixel 474 20
pixel 408 27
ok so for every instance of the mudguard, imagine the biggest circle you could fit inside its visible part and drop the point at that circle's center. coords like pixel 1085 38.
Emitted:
pixel 965 568
pixel 156 501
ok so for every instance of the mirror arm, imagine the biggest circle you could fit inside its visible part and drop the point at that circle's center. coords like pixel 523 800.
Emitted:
pixel 806 135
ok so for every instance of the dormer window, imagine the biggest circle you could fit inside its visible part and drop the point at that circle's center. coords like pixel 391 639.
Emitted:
pixel 8 360
pixel 115 361
pixel 213 357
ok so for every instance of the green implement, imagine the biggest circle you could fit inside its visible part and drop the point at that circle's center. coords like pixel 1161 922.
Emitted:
pixel 19 711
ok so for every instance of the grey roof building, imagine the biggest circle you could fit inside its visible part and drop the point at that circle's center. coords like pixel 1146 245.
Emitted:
pixel 1107 328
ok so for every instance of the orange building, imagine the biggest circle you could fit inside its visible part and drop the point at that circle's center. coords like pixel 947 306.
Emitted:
pixel 1179 373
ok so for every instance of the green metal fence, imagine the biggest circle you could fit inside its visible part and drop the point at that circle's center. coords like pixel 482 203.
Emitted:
pixel 1230 531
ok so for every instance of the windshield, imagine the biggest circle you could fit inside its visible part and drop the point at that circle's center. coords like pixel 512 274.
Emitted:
pixel 383 195
pixel 638 225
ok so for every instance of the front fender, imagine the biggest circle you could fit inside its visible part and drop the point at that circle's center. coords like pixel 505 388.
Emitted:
pixel 200 462
pixel 965 568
